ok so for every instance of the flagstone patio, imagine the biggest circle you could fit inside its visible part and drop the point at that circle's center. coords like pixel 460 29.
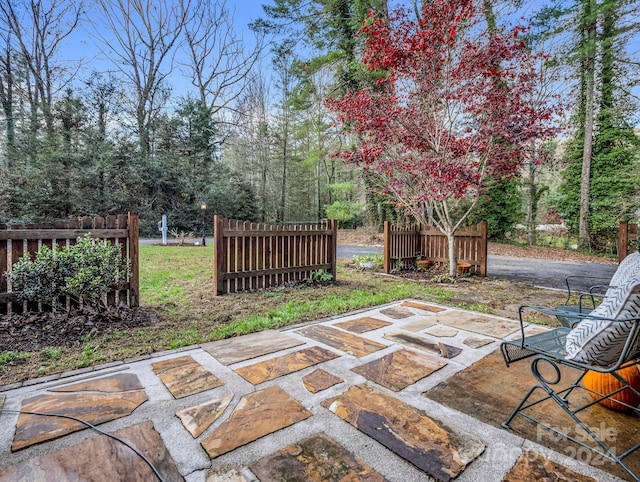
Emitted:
pixel 340 399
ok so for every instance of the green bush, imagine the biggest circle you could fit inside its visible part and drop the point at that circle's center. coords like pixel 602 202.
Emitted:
pixel 372 261
pixel 84 271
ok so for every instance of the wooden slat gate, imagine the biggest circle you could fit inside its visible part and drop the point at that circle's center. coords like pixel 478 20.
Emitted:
pixel 17 240
pixel 627 239
pixel 250 256
pixel 406 244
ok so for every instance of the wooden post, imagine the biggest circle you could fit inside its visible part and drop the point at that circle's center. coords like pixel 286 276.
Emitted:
pixel 17 250
pixel 387 247
pixel 134 257
pixel 333 247
pixel 218 254
pixel 623 240
pixel 482 248
pixel 632 234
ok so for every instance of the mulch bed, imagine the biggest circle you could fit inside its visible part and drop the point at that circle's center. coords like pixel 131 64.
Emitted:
pixel 35 331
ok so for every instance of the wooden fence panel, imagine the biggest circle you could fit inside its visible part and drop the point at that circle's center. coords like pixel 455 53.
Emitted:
pixel 627 239
pixel 251 256
pixel 428 242
pixel 119 230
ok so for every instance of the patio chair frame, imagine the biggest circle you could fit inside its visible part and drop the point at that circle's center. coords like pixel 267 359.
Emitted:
pixel 549 348
pixel 594 291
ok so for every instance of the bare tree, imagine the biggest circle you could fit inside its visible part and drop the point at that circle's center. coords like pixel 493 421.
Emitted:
pixel 220 63
pixel 139 36
pixel 250 148
pixel 39 29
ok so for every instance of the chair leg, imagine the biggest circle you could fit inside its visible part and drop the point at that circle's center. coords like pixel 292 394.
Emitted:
pixel 561 398
pixel 507 423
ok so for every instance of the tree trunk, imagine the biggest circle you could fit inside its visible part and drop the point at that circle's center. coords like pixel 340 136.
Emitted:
pixel 453 255
pixel 588 66
pixel 6 97
pixel 532 201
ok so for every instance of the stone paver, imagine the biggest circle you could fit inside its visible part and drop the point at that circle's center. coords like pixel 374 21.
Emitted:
pixel 319 422
pixel 234 350
pixel 423 306
pixel 316 459
pixel 122 382
pixel 319 380
pixel 183 376
pixel 198 418
pixel 397 312
pixel 362 325
pixel 421 343
pixel 483 325
pixel 284 365
pixel 96 402
pixel 256 415
pixel 419 325
pixel 225 473
pixel 399 369
pixel 533 467
pixel 429 444
pixel 442 331
pixel 101 458
pixel 477 342
pixel 346 342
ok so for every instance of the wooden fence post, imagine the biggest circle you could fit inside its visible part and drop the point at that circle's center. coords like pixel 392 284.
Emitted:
pixel 134 257
pixel 482 249
pixel 219 257
pixel 333 248
pixel 623 240
pixel 387 247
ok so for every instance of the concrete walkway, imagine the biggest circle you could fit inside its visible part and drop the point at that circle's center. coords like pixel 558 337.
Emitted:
pixel 338 399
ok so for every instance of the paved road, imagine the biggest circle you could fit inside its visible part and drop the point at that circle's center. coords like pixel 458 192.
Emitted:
pixel 548 274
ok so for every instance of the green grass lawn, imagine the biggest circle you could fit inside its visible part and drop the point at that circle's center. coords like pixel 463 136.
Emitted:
pixel 176 285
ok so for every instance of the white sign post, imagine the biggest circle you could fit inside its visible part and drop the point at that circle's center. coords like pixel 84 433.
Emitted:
pixel 162 227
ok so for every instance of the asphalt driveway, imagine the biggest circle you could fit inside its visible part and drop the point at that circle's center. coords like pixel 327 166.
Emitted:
pixel 538 272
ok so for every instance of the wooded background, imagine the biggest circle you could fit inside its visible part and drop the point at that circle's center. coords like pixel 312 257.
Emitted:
pixel 251 136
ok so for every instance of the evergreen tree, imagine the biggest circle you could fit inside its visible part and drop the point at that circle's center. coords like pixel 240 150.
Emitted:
pixel 607 157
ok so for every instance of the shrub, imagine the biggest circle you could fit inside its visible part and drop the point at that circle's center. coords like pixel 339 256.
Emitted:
pixel 372 261
pixel 84 271
pixel 39 279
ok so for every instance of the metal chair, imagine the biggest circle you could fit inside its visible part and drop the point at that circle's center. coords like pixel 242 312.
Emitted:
pixel 549 348
pixel 628 269
pixel 586 299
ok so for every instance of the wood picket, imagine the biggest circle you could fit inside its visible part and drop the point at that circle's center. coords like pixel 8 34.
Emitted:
pixel 250 256
pixel 403 245
pixel 17 240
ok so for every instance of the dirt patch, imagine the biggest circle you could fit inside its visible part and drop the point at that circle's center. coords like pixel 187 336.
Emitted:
pixel 35 331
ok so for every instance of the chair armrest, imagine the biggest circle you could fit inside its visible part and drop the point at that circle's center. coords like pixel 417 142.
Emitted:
pixel 592 294
pixel 630 344
pixel 549 311
pixel 568 280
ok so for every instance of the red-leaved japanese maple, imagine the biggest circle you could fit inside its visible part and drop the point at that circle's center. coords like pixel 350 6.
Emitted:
pixel 451 110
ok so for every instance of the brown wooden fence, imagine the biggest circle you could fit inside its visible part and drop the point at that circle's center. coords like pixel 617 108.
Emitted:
pixel 250 256
pixel 627 239
pixel 406 244
pixel 17 240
